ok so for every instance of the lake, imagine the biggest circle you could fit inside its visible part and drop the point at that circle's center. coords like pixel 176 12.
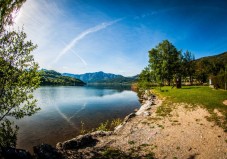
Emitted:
pixel 64 107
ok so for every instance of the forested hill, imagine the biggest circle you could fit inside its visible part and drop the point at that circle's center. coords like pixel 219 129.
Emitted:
pixel 212 65
pixel 94 77
pixel 51 77
pixel 119 80
pixel 220 58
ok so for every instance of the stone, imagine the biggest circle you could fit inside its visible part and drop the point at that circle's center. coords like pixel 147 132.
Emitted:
pixel 146 113
pixel 128 117
pixel 101 133
pixel 13 153
pixel 79 142
pixel 45 151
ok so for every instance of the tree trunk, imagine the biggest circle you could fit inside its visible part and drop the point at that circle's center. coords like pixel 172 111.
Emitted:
pixel 168 82
pixel 178 82
pixel 191 81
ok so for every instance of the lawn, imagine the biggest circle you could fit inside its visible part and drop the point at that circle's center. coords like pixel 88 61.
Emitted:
pixel 202 95
pixel 195 95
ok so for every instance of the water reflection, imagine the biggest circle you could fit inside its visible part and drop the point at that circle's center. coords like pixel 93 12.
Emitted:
pixel 63 109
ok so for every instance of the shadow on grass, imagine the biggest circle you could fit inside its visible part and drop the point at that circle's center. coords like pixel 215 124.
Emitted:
pixel 190 87
pixel 164 90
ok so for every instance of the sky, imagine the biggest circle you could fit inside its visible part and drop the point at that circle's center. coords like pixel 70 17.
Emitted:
pixel 114 36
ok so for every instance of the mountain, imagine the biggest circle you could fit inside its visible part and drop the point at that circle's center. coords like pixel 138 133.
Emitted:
pixel 119 80
pixel 220 58
pixel 51 77
pixel 94 77
pixel 212 65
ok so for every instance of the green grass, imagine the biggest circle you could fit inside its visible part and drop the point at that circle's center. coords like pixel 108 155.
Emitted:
pixel 194 95
pixel 203 95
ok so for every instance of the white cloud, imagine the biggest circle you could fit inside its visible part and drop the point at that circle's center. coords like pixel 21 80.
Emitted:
pixel 83 35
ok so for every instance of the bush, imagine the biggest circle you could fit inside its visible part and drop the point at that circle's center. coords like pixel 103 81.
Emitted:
pixel 219 81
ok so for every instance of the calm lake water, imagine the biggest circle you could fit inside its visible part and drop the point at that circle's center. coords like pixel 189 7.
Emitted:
pixel 64 107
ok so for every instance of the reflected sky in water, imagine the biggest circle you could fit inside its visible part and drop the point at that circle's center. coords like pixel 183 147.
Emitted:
pixel 63 109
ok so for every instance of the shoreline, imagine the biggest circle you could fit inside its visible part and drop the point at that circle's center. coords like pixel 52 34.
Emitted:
pixel 184 133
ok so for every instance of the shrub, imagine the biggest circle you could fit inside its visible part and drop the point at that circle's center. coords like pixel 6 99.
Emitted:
pixel 219 81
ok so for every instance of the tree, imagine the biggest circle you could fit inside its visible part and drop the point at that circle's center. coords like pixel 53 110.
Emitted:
pixel 203 68
pixel 8 9
pixel 188 68
pixel 146 77
pixel 165 61
pixel 18 75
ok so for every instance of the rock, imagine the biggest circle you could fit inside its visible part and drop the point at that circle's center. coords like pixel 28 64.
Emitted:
pixel 127 118
pixel 101 133
pixel 79 142
pixel 13 153
pixel 144 107
pixel 135 110
pixel 45 151
pixel 146 113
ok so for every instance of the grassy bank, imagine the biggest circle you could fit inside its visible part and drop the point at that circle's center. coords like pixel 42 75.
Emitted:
pixel 203 95
pixel 209 98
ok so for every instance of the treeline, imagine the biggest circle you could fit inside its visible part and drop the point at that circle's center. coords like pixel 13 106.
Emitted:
pixel 170 66
pixel 119 80
pixel 51 77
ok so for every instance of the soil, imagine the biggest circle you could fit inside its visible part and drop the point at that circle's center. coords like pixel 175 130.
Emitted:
pixel 184 133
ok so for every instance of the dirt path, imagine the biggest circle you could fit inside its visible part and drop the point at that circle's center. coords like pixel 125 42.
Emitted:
pixel 184 133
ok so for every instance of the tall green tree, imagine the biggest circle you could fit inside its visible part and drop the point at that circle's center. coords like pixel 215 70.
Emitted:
pixel 203 68
pixel 18 75
pixel 165 61
pixel 146 78
pixel 188 66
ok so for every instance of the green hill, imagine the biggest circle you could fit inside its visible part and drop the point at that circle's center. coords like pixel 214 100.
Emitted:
pixel 210 66
pixel 220 58
pixel 51 77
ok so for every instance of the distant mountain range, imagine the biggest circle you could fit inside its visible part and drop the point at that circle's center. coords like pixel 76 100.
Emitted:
pixel 102 77
pixel 51 77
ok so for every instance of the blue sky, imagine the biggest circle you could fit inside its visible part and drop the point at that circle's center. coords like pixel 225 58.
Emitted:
pixel 114 36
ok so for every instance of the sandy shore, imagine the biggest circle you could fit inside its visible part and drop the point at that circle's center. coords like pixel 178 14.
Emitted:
pixel 184 133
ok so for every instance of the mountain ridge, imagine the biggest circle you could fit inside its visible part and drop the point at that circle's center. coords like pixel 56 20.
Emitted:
pixel 93 77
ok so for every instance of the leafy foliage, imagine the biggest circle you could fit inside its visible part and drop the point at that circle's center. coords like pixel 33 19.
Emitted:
pixel 188 66
pixel 167 64
pixel 7 8
pixel 105 126
pixel 8 135
pixel 146 78
pixel 164 60
pixel 164 64
pixel 220 81
pixel 51 77
pixel 18 74
pixel 210 66
pixel 18 77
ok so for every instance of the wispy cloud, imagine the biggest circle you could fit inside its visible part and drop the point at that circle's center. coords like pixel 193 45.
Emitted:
pixel 83 35
pixel 80 58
